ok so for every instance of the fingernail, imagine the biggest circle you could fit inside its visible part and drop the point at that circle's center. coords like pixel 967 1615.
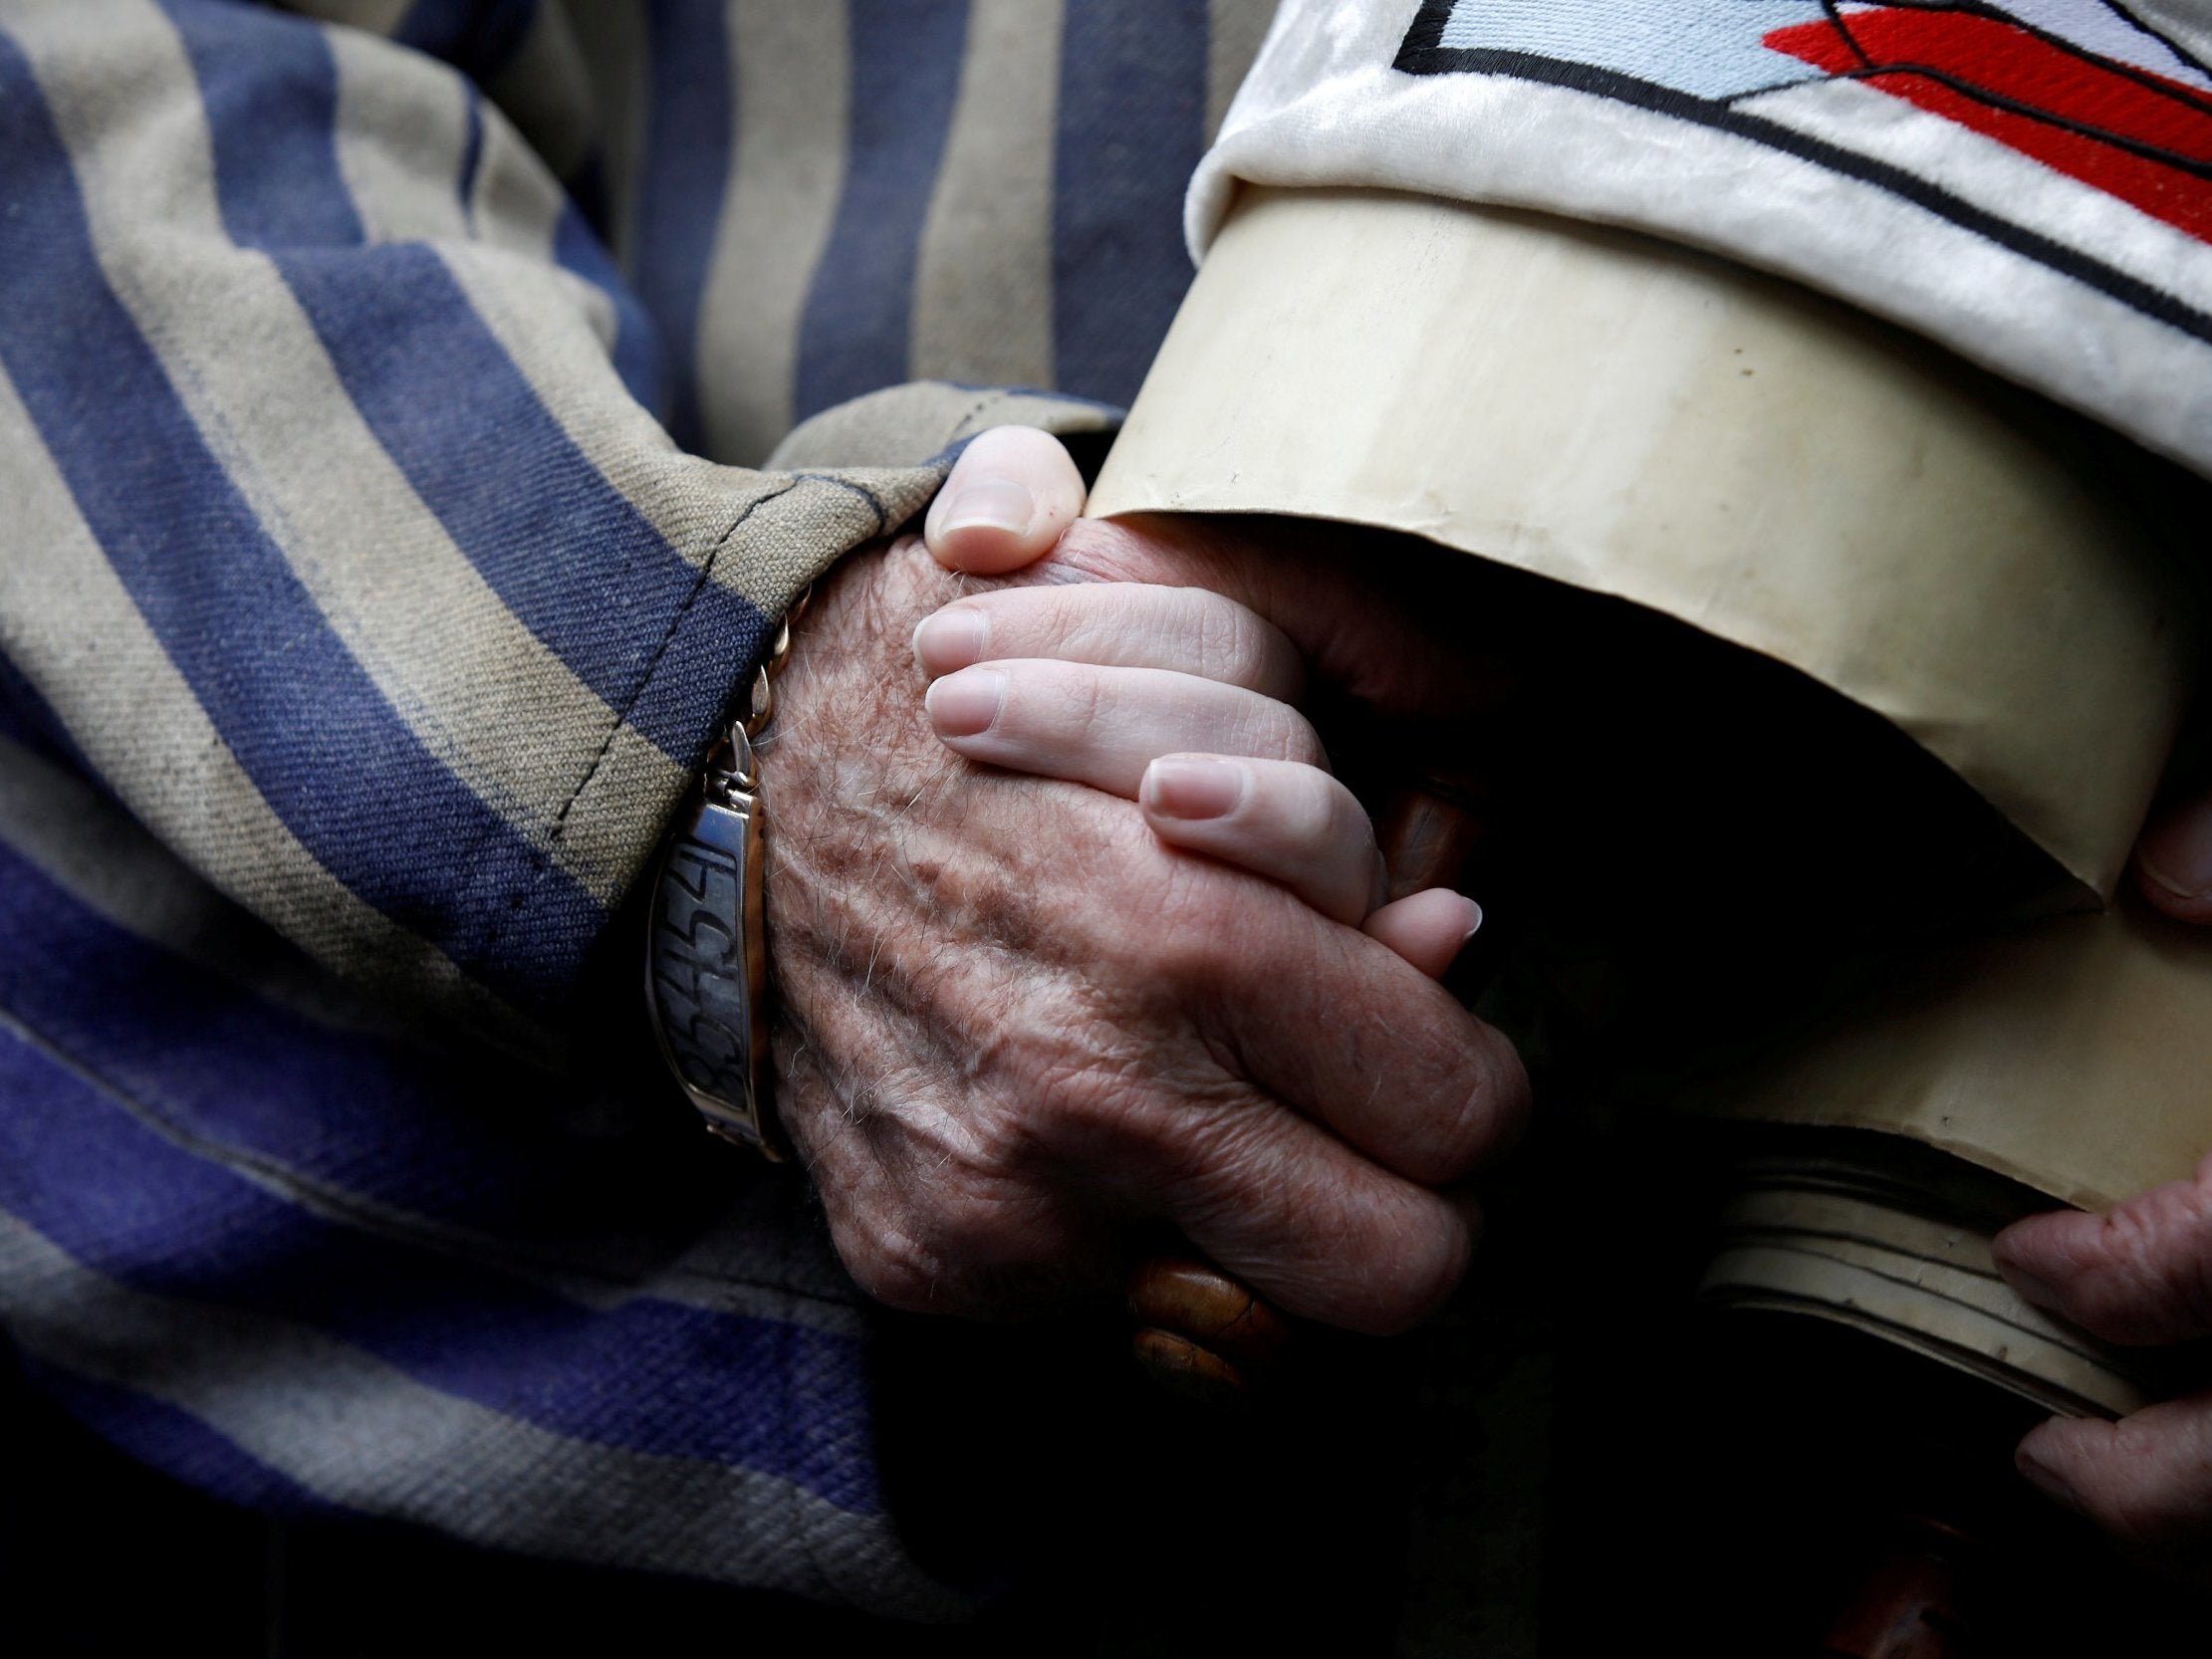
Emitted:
pixel 965 704
pixel 2176 852
pixel 1193 789
pixel 952 639
pixel 1000 503
pixel 2046 1478
pixel 1474 924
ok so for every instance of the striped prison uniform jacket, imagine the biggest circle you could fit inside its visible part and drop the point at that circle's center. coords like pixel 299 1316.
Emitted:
pixel 388 400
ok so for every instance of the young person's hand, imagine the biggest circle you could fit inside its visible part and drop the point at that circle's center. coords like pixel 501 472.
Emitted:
pixel 1182 701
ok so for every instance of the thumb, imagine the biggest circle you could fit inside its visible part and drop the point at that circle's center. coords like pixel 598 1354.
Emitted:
pixel 2173 860
pixel 1009 496
pixel 2141 1274
pixel 2145 1480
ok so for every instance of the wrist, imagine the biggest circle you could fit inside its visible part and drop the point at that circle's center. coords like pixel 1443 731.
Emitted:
pixel 707 967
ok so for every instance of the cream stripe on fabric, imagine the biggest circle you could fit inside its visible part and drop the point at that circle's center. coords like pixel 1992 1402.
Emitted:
pixel 361 1433
pixel 526 302
pixel 67 620
pixel 396 129
pixel 688 500
pixel 792 65
pixel 983 287
pixel 480 691
pixel 612 41
pixel 402 135
pixel 908 425
pixel 1234 29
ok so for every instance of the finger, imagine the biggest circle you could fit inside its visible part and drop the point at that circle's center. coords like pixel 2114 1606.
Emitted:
pixel 1104 725
pixel 1320 1230
pixel 1331 1022
pixel 1292 823
pixel 1428 834
pixel 1376 616
pixel 1008 498
pixel 1128 624
pixel 2173 860
pixel 1429 929
pixel 2146 1479
pixel 2141 1274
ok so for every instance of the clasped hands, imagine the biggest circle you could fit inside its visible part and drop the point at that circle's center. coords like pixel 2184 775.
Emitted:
pixel 1135 970
pixel 1022 1018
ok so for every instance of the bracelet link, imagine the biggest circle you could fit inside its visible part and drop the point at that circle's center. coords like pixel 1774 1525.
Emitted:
pixel 706 956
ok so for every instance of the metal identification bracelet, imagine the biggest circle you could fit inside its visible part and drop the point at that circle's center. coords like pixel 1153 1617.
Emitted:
pixel 706 954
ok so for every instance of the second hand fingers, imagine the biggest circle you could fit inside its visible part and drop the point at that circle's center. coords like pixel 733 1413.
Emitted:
pixel 1128 624
pixel 1290 822
pixel 1104 726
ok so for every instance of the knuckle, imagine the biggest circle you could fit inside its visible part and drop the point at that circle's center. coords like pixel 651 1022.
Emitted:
pixel 2156 1255
pixel 1062 705
pixel 1480 1114
pixel 1495 1106
pixel 892 1265
pixel 1232 643
pixel 1324 813
pixel 1424 1268
pixel 2130 1490
pixel 1203 936
pixel 1281 733
pixel 969 1224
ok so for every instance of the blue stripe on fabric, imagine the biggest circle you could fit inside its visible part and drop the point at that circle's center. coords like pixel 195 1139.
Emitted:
pixel 587 573
pixel 175 1442
pixel 690 131
pixel 1131 128
pixel 440 1137
pixel 273 111
pixel 854 337
pixel 648 1375
pixel 340 769
pixel 566 551
pixel 477 37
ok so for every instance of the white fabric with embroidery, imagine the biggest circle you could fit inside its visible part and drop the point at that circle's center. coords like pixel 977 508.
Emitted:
pixel 2029 183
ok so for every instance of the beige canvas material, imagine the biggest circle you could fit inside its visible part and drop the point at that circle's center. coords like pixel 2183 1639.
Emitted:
pixel 2071 1055
pixel 1640 420
pixel 912 424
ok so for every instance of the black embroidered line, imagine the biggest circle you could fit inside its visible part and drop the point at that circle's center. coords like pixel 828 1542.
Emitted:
pixel 2148 297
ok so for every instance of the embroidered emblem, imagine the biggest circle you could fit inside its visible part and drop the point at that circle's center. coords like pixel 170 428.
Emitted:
pixel 2091 89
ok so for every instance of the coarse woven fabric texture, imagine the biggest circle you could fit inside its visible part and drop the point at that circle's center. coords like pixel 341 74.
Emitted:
pixel 385 404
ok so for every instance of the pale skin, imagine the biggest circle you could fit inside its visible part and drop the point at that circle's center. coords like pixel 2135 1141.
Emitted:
pixel 1156 695
pixel 1017 1034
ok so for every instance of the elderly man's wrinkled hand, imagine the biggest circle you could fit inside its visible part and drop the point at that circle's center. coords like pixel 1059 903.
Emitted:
pixel 1014 1027
pixel 2140 1274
